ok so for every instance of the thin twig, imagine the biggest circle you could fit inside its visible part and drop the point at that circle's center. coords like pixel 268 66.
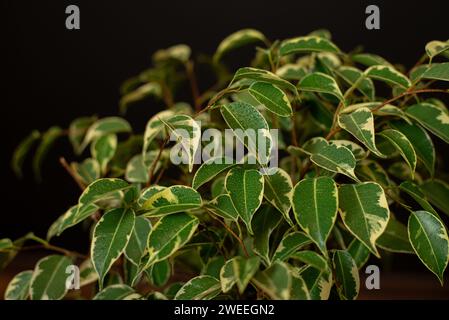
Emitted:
pixel 70 171
pixel 190 69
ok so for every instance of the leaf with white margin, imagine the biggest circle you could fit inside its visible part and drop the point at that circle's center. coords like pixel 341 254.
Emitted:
pixel 311 258
pixel 336 159
pixel 18 287
pixel 429 240
pixel 223 207
pixel 352 75
pixel 369 59
pixel 275 281
pixel 389 75
pixel 77 131
pixel 319 283
pixel 359 252
pixel 263 75
pixel 278 189
pixel 100 190
pixel 148 193
pixel 437 71
pixel 199 288
pixel 238 39
pixel 385 110
pixel 272 98
pixel 321 83
pixel 168 235
pixel 360 124
pixel 418 195
pixel 358 152
pixel 307 44
pixel 72 217
pixel 290 243
pixel 370 170
pixel 154 127
pixel 245 187
pixel 395 238
pixel 434 48
pixel 240 271
pixel 247 119
pixel 110 238
pixel 421 141
pixel 138 240
pixel 299 289
pixel 87 171
pixel 315 204
pixel 171 200
pixel 22 150
pixel 432 118
pixel 117 292
pixel 49 278
pixel 346 275
pixel 403 145
pixel 437 192
pixel 103 150
pixel 210 169
pixel 264 223
pixel 140 93
pixel 88 274
pixel 365 212
pixel 105 126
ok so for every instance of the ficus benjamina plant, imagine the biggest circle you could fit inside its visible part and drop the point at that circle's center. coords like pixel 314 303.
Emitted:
pixel 358 175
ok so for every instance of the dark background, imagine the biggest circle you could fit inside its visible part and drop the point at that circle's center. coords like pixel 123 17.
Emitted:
pixel 52 75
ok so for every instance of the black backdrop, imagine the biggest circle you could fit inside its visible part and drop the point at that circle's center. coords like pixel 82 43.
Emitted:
pixel 52 75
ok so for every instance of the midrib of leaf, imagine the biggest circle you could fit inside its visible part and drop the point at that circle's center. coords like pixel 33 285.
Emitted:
pixel 363 212
pixel 52 277
pixel 343 274
pixel 244 196
pixel 113 239
pixel 266 97
pixel 359 130
pixel 430 244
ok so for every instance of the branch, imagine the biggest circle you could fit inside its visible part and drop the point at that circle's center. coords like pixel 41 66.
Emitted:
pixel 70 171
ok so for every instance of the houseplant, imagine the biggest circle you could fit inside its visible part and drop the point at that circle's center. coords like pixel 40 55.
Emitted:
pixel 330 172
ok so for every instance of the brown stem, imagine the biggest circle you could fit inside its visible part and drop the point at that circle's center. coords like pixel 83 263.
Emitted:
pixel 56 249
pixel 153 166
pixel 406 93
pixel 193 84
pixel 70 171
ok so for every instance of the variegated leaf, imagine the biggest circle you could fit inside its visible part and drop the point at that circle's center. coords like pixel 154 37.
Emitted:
pixel 199 288
pixel 18 287
pixel 238 271
pixel 337 159
pixel 210 169
pixel 275 281
pixel 346 275
pixel 291 243
pixel 272 98
pixel 238 39
pixel 403 145
pixel 278 189
pixel 432 118
pixel 389 75
pixel 321 83
pixel 307 44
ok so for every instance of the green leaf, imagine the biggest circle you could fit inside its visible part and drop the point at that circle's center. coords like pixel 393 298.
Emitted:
pixel 110 238
pixel 101 189
pixel 179 52
pixel 319 283
pixel 238 271
pixel 352 75
pixel 105 126
pixel 369 60
pixel 315 204
pixel 245 187
pixel 429 240
pixel 48 140
pixel 88 171
pixel 336 159
pixel 213 267
pixel 6 244
pixel 358 152
pixel 223 207
pixel 360 124
pixel 77 131
pixel 160 273
pixel 359 252
pixel 199 288
pixel 321 83
pixel 437 192
pixel 136 170
pixel 272 98
pixel 370 170
pixel 437 71
pixel 242 116
pixel 278 190
pixel 432 118
pixel 72 217
pixel 403 145
pixel 22 150
pixel 264 76
pixel 210 169
pixel 421 142
pixel 434 48
pixel 169 234
pixel 171 200
pixel 418 195
pixel 238 39
pixel 346 275
pixel 103 150
pixel 291 71
pixel 311 258
pixel 395 238
pixel 365 212
pixel 264 223
pixel 384 110
pixel 140 93
pixel 389 75
pixel 299 289
pixel 291 243
pixel 275 281
pixel 18 287
pixel 49 278
pixel 117 292
pixel 307 44
pixel 138 240
pixel 87 273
